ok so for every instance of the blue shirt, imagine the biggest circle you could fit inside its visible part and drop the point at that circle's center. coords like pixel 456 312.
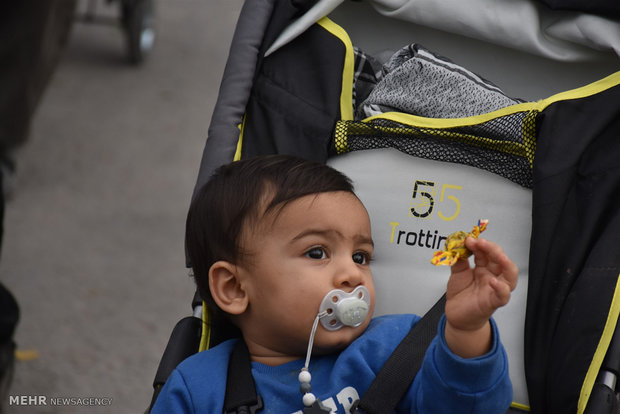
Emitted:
pixel 446 383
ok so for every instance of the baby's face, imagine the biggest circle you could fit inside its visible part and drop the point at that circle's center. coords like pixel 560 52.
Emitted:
pixel 313 245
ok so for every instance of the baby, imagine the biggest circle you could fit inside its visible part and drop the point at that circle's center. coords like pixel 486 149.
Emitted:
pixel 279 244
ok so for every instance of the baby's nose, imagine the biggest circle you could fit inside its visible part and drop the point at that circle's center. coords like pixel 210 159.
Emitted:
pixel 349 275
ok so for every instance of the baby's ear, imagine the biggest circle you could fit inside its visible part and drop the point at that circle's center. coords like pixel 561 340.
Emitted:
pixel 227 291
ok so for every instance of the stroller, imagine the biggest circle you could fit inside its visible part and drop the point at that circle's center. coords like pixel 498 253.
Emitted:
pixel 137 21
pixel 544 173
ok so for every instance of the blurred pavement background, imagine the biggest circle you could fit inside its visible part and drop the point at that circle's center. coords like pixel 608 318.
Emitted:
pixel 93 246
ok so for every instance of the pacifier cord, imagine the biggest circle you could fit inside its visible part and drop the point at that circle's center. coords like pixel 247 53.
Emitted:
pixel 311 340
pixel 304 376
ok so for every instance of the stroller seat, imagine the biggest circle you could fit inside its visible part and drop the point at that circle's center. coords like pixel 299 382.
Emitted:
pixel 543 173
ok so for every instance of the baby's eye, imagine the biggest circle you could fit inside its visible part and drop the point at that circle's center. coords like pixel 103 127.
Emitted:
pixel 361 258
pixel 316 253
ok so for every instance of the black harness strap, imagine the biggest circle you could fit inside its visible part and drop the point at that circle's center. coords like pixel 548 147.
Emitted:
pixel 403 365
pixel 241 396
pixel 383 394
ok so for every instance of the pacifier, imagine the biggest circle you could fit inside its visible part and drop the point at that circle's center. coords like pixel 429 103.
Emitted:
pixel 340 308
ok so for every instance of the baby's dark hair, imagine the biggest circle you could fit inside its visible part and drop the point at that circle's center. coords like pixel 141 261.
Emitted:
pixel 234 197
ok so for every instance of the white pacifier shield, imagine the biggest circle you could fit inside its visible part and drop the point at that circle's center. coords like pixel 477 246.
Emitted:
pixel 345 309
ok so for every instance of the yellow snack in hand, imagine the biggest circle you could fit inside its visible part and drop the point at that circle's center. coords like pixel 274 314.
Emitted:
pixel 455 246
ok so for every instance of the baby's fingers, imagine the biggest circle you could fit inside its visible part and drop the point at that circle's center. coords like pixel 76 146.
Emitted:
pixel 491 256
pixel 502 292
pixel 509 270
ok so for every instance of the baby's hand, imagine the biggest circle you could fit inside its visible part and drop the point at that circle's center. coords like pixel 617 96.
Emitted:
pixel 474 294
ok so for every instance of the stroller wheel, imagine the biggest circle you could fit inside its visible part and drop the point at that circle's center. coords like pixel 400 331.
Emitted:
pixel 139 22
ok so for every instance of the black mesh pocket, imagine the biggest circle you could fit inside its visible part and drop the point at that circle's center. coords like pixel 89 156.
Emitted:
pixel 504 145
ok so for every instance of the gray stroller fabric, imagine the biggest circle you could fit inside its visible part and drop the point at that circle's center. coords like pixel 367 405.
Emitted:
pixel 368 71
pixel 418 82
pixel 525 25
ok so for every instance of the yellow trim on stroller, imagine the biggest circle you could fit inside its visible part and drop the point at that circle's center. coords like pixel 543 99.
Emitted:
pixel 346 94
pixel 583 92
pixel 241 127
pixel 424 122
pixel 205 334
pixel 601 350
pixel 521 407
